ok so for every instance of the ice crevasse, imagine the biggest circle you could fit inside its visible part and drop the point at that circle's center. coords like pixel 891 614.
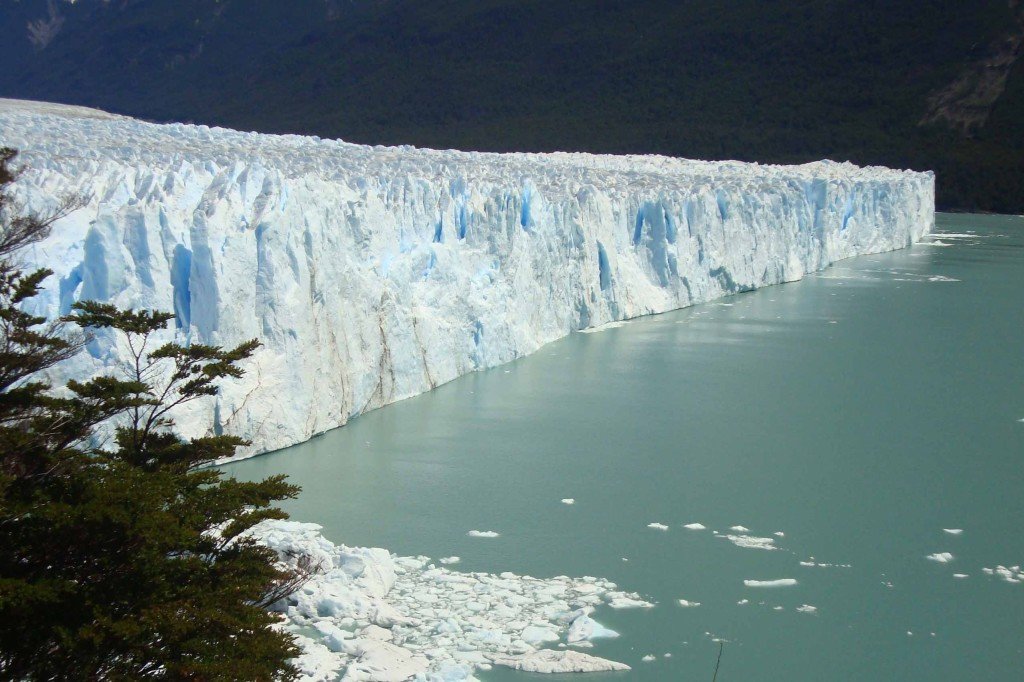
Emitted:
pixel 371 274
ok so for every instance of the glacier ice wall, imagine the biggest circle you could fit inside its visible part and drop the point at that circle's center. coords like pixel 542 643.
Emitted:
pixel 372 274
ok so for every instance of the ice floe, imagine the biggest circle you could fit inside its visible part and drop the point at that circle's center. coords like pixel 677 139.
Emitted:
pixel 568 500
pixel 446 560
pixel 812 563
pixel 687 604
pixel 941 557
pixel 549 661
pixel 657 526
pixel 750 541
pixel 701 526
pixel 807 608
pixel 780 582
pixel 483 534
pixel 1010 574
pixel 953 531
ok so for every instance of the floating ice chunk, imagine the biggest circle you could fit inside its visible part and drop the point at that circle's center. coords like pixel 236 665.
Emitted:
pixel 586 628
pixel 601 328
pixel 687 604
pixel 550 661
pixel 779 534
pixel 941 557
pixel 953 531
pixel 751 542
pixel 648 658
pixel 538 635
pixel 743 602
pixel 777 608
pixel 376 660
pixel 483 534
pixel 910 633
pixel 568 500
pixel 450 560
pixel 695 526
pixel 740 529
pixel 1010 574
pixel 781 582
pixel 807 608
pixel 657 526
pixel 942 278
pixel 960 576
pixel 626 600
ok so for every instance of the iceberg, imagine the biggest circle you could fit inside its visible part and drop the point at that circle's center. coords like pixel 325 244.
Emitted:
pixel 372 274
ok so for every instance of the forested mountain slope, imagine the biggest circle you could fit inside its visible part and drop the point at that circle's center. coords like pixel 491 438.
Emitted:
pixel 924 84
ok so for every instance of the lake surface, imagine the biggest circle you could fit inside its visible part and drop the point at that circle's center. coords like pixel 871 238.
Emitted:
pixel 859 412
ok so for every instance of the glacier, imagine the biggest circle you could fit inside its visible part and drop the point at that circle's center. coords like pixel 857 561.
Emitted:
pixel 372 274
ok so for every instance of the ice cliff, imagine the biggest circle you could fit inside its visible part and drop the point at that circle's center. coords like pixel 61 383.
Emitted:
pixel 372 274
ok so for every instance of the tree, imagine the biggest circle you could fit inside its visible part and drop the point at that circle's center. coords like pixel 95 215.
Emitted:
pixel 130 562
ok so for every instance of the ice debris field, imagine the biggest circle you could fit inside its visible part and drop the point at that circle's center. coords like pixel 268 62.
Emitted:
pixel 370 615
pixel 371 274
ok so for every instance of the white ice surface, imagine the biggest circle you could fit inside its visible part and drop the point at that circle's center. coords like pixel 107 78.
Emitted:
pixel 483 534
pixel 657 526
pixel 371 274
pixel 378 616
pixel 781 582
pixel 750 541
pixel 695 526
pixel 941 557
pixel 548 661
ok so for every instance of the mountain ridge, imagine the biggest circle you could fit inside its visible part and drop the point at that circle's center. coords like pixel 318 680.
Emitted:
pixel 772 82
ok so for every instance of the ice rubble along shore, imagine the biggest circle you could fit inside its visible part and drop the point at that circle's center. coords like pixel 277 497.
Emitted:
pixel 370 615
pixel 372 274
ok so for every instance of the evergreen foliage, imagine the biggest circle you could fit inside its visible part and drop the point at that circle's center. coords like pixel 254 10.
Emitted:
pixel 130 561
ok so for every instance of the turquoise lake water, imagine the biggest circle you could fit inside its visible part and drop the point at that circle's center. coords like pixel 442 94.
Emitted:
pixel 860 412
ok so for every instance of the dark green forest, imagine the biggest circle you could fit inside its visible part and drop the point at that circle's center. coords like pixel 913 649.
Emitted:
pixel 923 84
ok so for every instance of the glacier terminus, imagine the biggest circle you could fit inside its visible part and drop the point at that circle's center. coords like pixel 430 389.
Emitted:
pixel 372 274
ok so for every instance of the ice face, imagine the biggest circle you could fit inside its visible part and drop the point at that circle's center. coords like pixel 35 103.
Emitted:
pixel 371 274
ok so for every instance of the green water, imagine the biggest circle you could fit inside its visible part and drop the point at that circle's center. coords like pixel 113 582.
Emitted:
pixel 860 411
